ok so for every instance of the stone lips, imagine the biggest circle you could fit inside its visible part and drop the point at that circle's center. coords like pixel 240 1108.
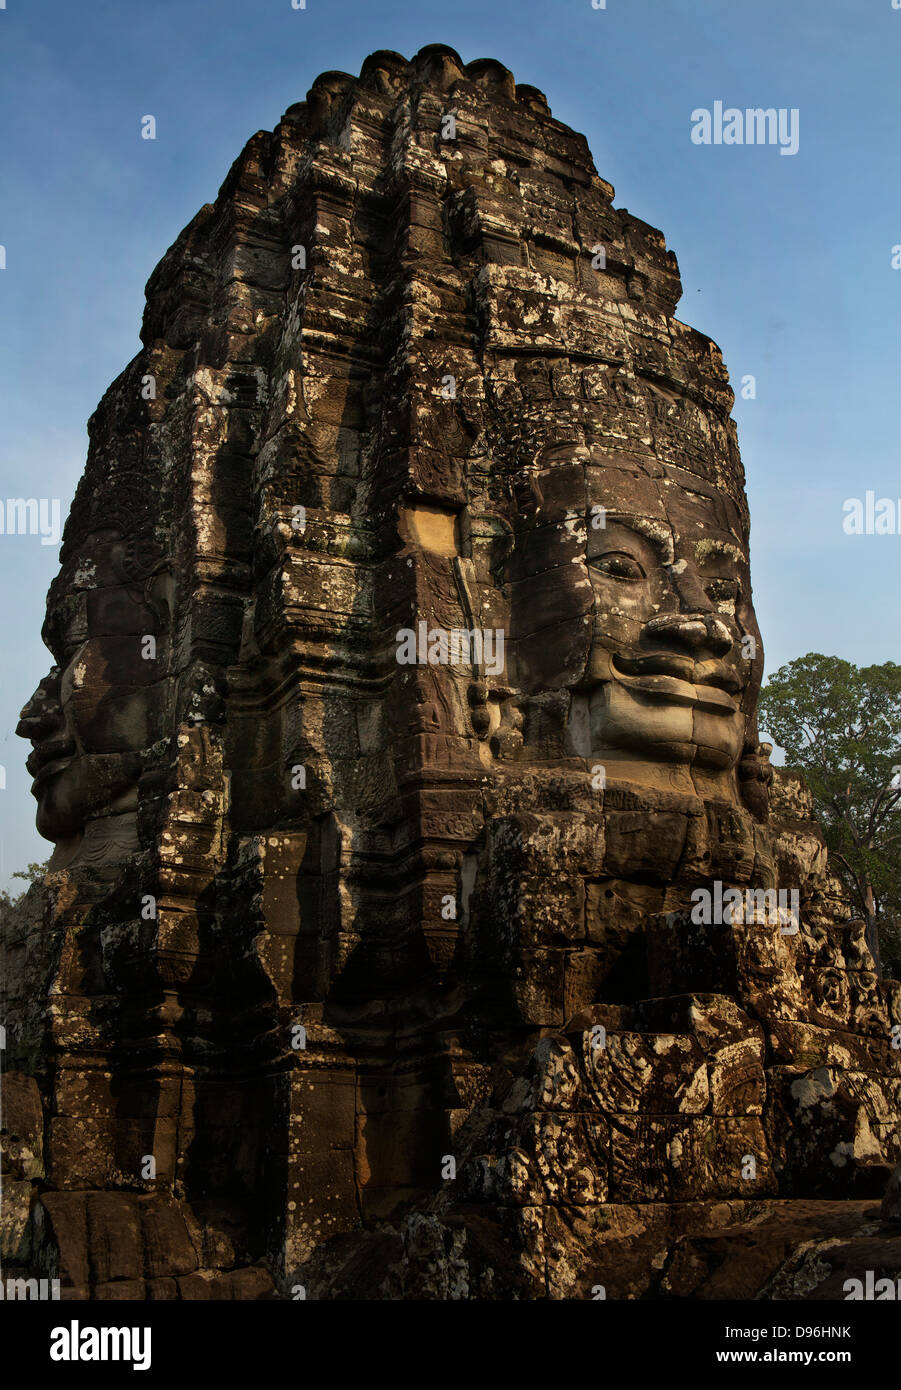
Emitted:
pixel 389 385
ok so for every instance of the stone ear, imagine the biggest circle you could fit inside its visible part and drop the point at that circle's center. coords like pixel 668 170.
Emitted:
pixel 755 776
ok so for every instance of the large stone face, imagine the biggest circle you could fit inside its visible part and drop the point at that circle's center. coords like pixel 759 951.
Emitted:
pixel 404 698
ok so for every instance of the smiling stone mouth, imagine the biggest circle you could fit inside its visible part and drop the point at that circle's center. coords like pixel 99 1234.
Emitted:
pixel 680 681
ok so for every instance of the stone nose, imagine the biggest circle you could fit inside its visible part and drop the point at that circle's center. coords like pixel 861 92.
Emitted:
pixel 696 631
pixel 41 715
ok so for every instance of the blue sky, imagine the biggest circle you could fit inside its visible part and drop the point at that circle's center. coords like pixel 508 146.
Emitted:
pixel 786 261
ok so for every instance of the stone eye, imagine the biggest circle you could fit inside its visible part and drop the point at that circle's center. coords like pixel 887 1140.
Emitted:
pixel 618 565
pixel 722 590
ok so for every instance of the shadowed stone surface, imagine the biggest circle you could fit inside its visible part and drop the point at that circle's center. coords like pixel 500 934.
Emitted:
pixel 405 694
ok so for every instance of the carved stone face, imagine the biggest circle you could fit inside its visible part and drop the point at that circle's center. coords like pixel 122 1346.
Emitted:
pixel 100 705
pixel 671 677
pixel 654 631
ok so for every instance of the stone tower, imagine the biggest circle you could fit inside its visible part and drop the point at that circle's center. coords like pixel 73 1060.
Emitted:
pixel 413 927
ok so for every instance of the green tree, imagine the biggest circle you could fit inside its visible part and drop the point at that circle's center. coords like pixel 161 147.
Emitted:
pixel 840 726
pixel 33 874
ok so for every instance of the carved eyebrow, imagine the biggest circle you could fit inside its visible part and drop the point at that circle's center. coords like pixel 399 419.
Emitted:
pixel 650 529
pixel 707 546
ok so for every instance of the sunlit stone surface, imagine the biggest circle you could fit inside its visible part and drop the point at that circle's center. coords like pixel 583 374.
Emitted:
pixel 404 694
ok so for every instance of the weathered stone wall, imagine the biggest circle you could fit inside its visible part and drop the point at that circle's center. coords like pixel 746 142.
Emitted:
pixel 313 989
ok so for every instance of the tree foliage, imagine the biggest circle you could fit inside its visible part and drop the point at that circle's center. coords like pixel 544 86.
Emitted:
pixel 33 874
pixel 840 726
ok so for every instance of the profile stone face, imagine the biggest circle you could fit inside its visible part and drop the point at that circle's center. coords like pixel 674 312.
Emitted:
pixel 404 694
pixel 103 704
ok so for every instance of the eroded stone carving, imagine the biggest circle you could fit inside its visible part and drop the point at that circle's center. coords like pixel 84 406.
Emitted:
pixel 320 920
